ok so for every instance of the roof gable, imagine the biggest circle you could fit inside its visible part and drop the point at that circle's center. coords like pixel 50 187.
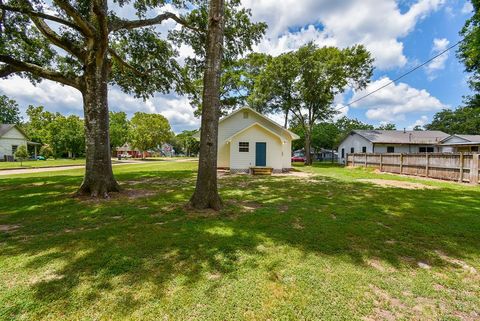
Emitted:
pixel 5 128
pixel 262 118
pixel 256 124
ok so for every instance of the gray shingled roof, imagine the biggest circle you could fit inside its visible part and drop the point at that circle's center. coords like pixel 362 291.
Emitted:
pixel 4 128
pixel 470 138
pixel 402 137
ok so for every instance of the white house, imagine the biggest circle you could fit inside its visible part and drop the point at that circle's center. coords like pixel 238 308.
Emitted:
pixel 461 143
pixel 11 137
pixel 390 141
pixel 248 139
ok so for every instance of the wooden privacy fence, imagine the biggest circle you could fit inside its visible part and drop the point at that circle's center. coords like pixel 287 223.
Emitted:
pixel 460 167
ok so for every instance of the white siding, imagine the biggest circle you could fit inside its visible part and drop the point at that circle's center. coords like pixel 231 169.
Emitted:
pixel 10 138
pixel 244 160
pixel 278 151
pixel 357 142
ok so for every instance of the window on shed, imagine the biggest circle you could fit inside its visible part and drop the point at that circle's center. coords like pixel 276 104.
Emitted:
pixel 352 150
pixel 422 149
pixel 390 149
pixel 14 149
pixel 343 152
pixel 245 115
pixel 430 150
pixel 243 147
pixel 474 148
pixel 364 149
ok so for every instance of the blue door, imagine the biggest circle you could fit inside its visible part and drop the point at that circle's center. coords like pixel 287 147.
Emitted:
pixel 261 154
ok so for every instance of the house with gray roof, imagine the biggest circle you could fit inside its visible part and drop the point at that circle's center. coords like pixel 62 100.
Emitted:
pixel 390 141
pixel 11 137
pixel 461 143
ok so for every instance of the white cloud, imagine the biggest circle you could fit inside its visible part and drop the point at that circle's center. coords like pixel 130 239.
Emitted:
pixel 378 24
pixel 67 100
pixel 395 101
pixel 438 63
pixel 467 7
pixel 422 121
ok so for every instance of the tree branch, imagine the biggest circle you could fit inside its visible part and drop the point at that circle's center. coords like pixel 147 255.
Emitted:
pixel 51 35
pixel 16 66
pixel 132 24
pixel 84 26
pixel 125 64
pixel 40 15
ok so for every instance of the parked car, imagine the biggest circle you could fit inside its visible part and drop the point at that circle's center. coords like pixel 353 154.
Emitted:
pixel 125 156
pixel 298 159
pixel 41 157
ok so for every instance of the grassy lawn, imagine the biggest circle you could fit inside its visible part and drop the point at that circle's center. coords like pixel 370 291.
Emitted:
pixel 330 246
pixel 45 163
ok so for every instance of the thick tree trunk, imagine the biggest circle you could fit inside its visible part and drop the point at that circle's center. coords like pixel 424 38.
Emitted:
pixel 206 191
pixel 308 156
pixel 99 179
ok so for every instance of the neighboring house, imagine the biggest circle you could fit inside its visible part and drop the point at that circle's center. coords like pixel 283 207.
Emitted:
pixel 127 149
pixel 167 150
pixel 461 143
pixel 11 137
pixel 390 141
pixel 248 139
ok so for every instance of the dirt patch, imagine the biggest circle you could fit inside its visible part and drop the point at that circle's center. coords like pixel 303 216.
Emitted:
pixel 383 299
pixel 245 206
pixel 379 266
pixel 456 262
pixel 124 194
pixel 283 208
pixel 397 184
pixel 9 228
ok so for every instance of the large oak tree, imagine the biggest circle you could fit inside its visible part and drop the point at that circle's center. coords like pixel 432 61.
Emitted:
pixel 84 45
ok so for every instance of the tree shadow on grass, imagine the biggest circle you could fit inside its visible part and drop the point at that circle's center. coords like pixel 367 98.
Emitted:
pixel 124 244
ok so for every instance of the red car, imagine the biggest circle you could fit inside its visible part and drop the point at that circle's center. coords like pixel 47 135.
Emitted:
pixel 298 159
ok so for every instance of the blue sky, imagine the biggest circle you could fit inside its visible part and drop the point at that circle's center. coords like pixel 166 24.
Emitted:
pixel 400 35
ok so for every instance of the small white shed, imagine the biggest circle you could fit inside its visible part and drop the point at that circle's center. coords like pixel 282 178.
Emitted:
pixel 249 139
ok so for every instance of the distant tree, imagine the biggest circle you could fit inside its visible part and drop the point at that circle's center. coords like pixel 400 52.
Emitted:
pixel 469 53
pixel 388 126
pixel 463 120
pixel 37 126
pixel 275 89
pixel 119 129
pixel 66 136
pixel 149 131
pixel 9 112
pixel 190 145
pixel 21 153
pixel 46 151
pixel 323 74
pixel 418 128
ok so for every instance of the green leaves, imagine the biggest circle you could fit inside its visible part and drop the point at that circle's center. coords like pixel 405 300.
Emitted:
pixel 9 112
pixel 149 130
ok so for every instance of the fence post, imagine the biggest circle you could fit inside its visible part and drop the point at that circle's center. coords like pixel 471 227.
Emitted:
pixel 474 169
pixel 427 158
pixel 381 162
pixel 366 155
pixel 460 176
pixel 401 163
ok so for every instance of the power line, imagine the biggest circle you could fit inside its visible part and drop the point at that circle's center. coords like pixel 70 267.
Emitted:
pixel 400 77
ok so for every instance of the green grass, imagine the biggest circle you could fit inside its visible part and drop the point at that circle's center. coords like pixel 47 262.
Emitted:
pixel 325 247
pixel 40 163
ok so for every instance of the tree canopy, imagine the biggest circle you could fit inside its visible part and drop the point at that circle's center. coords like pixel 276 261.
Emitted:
pixel 9 112
pixel 305 82
pixel 148 131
